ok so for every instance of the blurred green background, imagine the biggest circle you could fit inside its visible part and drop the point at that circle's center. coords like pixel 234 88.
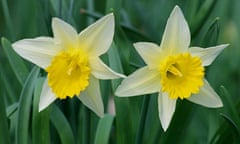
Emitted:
pixel 211 22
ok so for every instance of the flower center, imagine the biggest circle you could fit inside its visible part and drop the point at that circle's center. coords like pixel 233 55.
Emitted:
pixel 68 73
pixel 181 75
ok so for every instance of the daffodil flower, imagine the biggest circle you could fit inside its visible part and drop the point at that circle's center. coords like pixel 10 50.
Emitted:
pixel 72 61
pixel 173 70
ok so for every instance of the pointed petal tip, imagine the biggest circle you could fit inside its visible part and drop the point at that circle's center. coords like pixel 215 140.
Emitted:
pixel 218 104
pixel 225 45
pixel 118 91
pixel 206 97
pixel 41 107
pixel 177 9
pixel 55 19
pixel 166 109
pixel 110 15
pixel 164 127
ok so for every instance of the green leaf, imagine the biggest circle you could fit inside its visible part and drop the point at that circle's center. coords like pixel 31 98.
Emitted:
pixel 7 18
pixel 125 107
pixel 201 16
pixel 231 123
pixel 12 109
pixel 25 107
pixel 230 109
pixel 4 129
pixel 62 126
pixel 104 129
pixel 211 37
pixel 11 97
pixel 17 64
pixel 40 120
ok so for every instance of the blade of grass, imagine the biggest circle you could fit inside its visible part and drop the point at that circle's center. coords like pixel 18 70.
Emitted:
pixel 12 109
pixel 231 123
pixel 124 106
pixel 8 20
pixel 202 15
pixel 62 126
pixel 211 37
pixel 11 97
pixel 86 125
pixel 4 129
pixel 143 117
pixel 230 109
pixel 104 129
pixel 40 120
pixel 17 64
pixel 24 109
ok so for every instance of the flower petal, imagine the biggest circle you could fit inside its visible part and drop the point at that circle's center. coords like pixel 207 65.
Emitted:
pixel 176 37
pixel 47 96
pixel 39 51
pixel 102 71
pixel 91 97
pixel 150 52
pixel 166 109
pixel 207 55
pixel 64 33
pixel 207 97
pixel 142 81
pixel 97 38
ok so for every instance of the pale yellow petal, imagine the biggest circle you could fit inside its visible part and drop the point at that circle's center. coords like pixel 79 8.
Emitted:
pixel 207 55
pixel 47 96
pixel 64 34
pixel 206 97
pixel 142 81
pixel 39 51
pixel 91 97
pixel 176 37
pixel 150 52
pixel 97 38
pixel 166 109
pixel 102 71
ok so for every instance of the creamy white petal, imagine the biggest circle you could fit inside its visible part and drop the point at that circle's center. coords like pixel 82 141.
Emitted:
pixel 150 52
pixel 39 51
pixel 166 109
pixel 207 97
pixel 91 97
pixel 47 96
pixel 207 55
pixel 176 37
pixel 64 34
pixel 142 81
pixel 97 38
pixel 102 71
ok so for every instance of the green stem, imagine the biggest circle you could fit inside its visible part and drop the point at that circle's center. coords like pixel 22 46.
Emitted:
pixel 86 125
pixel 142 119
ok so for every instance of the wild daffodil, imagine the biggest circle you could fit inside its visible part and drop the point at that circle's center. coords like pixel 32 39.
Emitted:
pixel 173 70
pixel 72 61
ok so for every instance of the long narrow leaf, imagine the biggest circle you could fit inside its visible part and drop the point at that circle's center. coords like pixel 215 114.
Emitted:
pixel 25 107
pixel 62 126
pixel 104 129
pixel 4 130
pixel 40 120
pixel 17 64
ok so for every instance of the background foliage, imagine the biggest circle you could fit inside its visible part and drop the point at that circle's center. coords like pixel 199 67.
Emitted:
pixel 211 22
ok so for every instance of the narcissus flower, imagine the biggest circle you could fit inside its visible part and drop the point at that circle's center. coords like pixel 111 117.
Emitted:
pixel 173 70
pixel 72 61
